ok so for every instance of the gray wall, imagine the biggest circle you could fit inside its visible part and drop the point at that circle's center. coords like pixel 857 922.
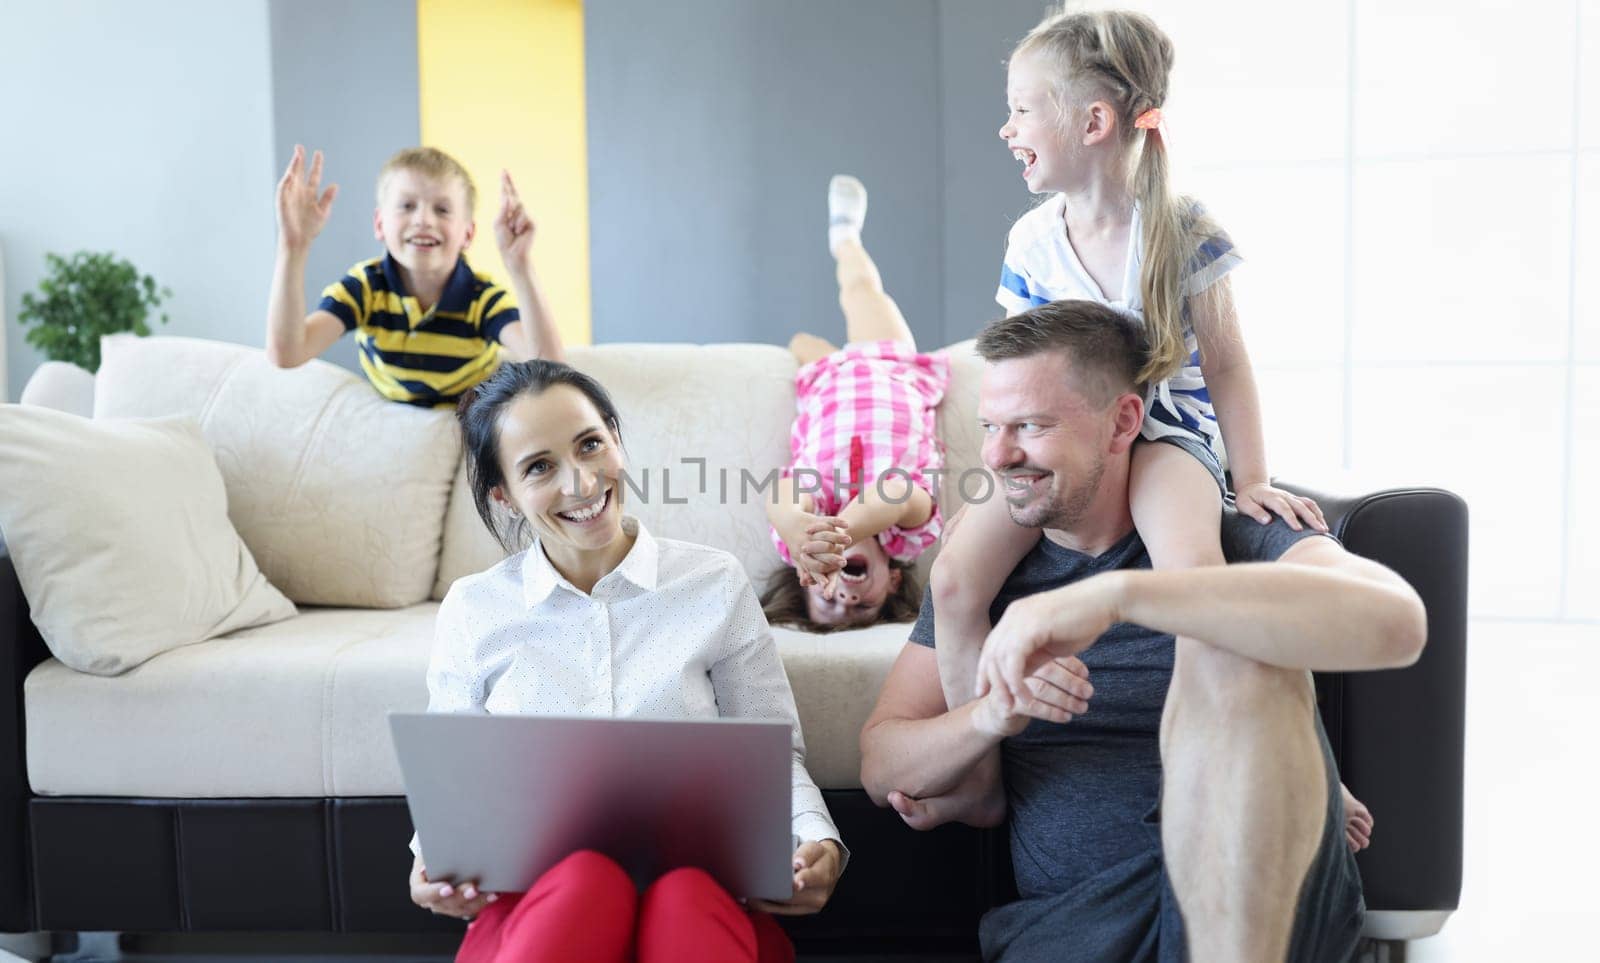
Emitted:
pixel 158 131
pixel 330 95
pixel 140 129
pixel 982 186
pixel 715 124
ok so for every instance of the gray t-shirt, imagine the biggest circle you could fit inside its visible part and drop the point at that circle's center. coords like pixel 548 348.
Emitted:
pixel 1083 794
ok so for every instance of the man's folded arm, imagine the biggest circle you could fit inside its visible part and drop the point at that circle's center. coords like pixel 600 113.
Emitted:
pixel 1318 607
pixel 912 744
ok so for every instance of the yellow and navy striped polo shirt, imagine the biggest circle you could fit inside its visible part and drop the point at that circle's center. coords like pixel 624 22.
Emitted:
pixel 421 358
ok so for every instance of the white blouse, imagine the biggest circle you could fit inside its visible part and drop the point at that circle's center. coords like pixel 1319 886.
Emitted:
pixel 674 632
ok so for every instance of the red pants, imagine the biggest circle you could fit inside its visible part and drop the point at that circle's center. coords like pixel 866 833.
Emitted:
pixel 586 908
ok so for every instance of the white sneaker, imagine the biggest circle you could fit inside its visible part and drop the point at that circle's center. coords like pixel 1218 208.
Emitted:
pixel 847 209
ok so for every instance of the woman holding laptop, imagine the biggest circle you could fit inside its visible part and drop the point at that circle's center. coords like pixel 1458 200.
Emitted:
pixel 599 618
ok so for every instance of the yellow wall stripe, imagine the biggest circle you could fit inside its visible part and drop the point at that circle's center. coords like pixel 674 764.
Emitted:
pixel 501 86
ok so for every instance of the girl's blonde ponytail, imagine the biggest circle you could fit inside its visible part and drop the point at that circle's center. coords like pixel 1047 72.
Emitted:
pixel 1165 253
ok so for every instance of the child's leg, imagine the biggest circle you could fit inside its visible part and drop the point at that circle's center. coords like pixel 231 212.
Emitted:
pixel 1177 506
pixel 981 547
pixel 807 347
pixel 869 313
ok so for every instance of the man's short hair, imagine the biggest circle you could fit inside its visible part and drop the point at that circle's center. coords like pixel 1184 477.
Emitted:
pixel 429 162
pixel 1105 346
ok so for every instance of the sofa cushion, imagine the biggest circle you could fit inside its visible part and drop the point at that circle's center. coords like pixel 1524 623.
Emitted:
pixel 121 539
pixel 300 709
pixel 729 404
pixel 340 494
pixel 251 715
pixel 836 679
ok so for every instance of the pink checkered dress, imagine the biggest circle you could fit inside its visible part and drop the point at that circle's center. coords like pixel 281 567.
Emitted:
pixel 860 412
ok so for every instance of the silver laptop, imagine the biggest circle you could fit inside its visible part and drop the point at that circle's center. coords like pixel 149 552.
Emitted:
pixel 501 799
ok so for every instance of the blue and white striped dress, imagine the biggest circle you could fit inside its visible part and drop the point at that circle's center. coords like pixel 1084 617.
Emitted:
pixel 1041 266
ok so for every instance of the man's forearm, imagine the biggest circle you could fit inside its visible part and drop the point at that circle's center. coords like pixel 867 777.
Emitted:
pixel 923 757
pixel 1293 616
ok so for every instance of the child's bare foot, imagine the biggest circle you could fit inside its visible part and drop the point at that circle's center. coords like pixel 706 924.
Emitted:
pixel 924 814
pixel 1357 821
pixel 807 348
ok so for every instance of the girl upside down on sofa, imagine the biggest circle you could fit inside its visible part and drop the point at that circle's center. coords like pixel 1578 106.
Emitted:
pixel 856 507
pixel 544 448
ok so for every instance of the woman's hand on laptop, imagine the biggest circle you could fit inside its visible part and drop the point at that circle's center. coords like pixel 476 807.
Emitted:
pixel 461 900
pixel 816 871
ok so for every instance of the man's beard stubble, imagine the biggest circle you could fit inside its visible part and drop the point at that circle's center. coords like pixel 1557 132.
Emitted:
pixel 1061 513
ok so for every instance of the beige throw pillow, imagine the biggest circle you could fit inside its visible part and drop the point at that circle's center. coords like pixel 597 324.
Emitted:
pixel 120 535
pixel 339 493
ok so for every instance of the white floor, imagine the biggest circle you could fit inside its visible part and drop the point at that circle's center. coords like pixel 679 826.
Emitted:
pixel 1532 868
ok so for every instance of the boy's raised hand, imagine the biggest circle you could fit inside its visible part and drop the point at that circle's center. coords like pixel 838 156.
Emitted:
pixel 513 228
pixel 301 212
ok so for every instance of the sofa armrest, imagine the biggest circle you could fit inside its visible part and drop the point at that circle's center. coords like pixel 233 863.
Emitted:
pixel 61 386
pixel 1399 735
pixel 20 650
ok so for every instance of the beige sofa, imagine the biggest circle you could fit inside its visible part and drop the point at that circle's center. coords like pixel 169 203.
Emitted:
pixel 357 509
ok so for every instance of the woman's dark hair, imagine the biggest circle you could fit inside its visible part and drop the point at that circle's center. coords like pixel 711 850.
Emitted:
pixel 479 412
pixel 784 602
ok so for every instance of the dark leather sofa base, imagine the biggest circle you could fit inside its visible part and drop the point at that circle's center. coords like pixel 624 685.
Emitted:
pixel 340 865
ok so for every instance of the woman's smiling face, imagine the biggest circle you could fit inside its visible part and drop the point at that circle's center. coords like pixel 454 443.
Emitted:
pixel 561 463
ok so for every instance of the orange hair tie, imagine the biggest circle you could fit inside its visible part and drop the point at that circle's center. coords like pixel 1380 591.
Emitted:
pixel 1149 120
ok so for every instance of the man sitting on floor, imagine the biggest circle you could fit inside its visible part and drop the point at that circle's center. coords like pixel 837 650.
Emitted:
pixel 1169 798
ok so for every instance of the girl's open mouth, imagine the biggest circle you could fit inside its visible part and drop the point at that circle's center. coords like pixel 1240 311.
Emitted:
pixel 1029 159
pixel 855 569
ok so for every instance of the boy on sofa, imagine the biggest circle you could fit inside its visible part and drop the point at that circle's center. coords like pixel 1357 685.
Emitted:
pixel 428 327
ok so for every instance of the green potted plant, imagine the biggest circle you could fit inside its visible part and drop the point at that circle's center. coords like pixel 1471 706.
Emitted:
pixel 84 297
